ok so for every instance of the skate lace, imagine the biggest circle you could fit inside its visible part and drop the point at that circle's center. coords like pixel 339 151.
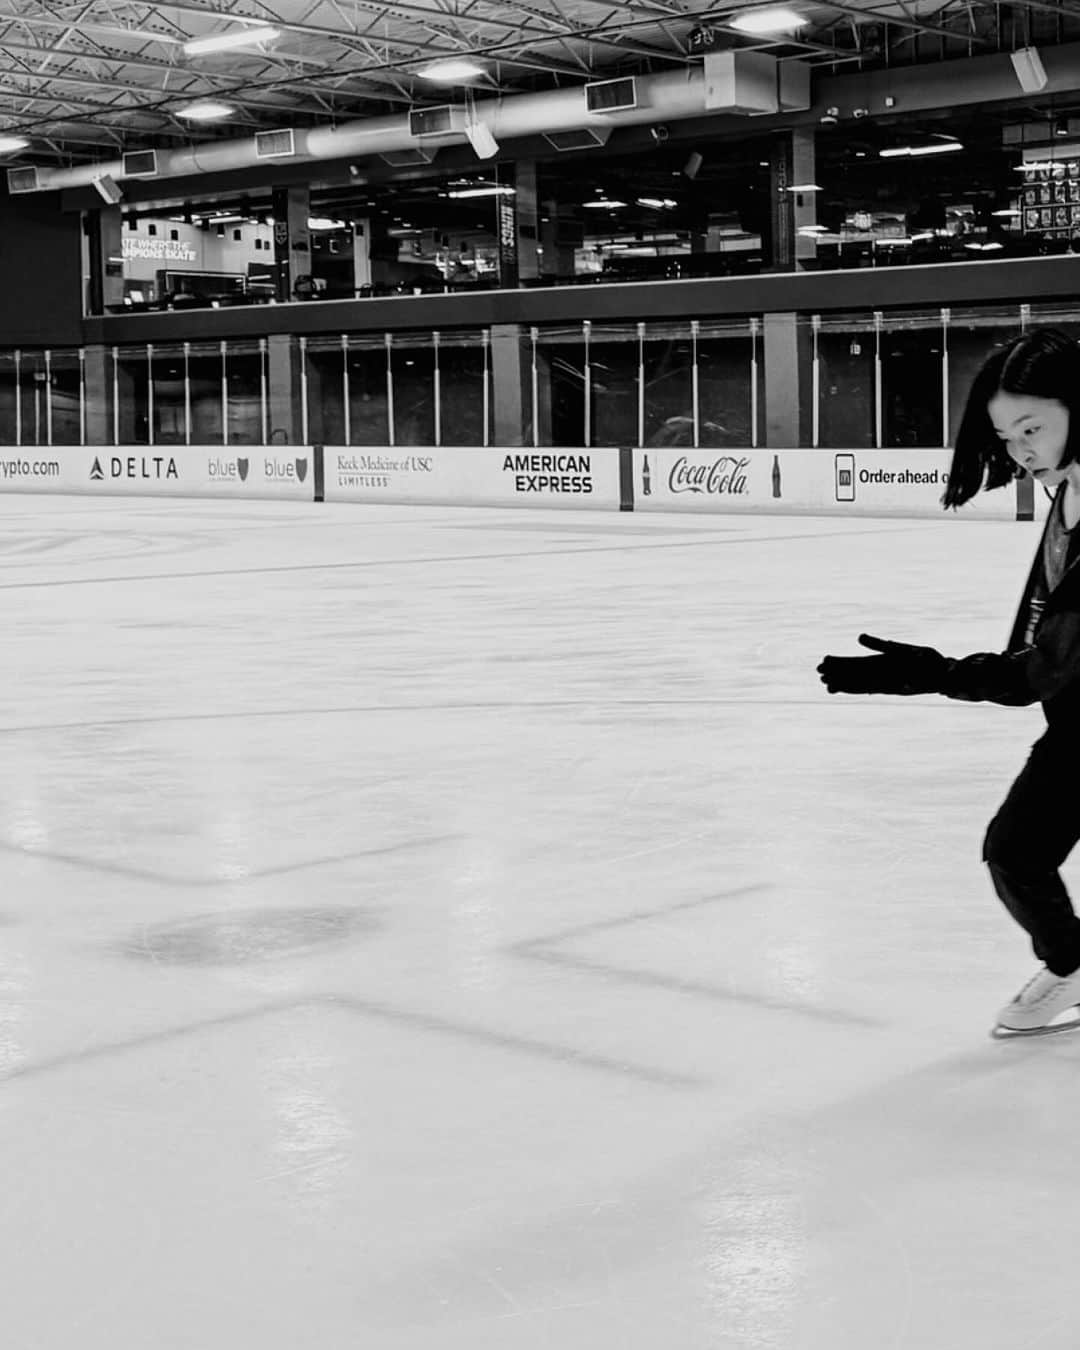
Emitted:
pixel 1044 976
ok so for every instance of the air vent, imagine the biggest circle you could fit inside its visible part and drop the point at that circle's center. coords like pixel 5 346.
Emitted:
pixel 577 140
pixel 140 164
pixel 402 159
pixel 435 121
pixel 22 180
pixel 608 96
pixel 272 144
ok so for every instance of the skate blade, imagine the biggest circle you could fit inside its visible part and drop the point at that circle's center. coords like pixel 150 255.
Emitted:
pixel 1072 1023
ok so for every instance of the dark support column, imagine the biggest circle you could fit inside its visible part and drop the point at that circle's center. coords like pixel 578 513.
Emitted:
pixel 528 223
pixel 511 384
pixel 104 228
pixel 787 381
pixel 792 162
pixel 292 239
pixel 98 376
pixel 283 390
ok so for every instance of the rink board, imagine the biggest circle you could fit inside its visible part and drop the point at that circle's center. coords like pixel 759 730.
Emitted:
pixel 563 479
pixel 832 482
pixel 161 471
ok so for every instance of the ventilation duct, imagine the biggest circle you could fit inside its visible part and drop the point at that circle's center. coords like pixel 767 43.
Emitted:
pixel 275 144
pixel 562 116
pixel 404 159
pixel 442 121
pixel 609 96
pixel 22 180
pixel 741 82
pixel 140 164
pixel 585 139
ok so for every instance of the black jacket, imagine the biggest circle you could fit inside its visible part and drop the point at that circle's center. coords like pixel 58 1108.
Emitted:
pixel 1044 668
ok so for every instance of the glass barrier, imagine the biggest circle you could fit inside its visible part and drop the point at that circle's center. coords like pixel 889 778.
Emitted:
pixel 858 380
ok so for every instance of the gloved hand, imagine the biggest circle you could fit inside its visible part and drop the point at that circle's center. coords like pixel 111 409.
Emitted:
pixel 900 669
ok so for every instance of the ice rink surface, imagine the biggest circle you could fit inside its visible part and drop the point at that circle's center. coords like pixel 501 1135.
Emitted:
pixel 431 929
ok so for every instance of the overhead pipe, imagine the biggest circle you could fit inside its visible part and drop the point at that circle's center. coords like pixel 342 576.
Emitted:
pixel 670 95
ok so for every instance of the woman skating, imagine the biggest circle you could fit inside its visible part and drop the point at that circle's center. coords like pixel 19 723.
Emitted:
pixel 1022 414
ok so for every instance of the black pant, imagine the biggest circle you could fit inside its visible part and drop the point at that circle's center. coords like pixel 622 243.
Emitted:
pixel 1028 840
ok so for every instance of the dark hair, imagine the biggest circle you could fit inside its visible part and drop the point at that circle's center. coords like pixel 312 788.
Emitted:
pixel 1043 363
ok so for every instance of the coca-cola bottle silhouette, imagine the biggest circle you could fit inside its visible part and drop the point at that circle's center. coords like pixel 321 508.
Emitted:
pixel 646 478
pixel 776 475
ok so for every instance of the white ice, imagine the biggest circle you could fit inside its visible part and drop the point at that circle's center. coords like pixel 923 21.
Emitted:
pixel 429 929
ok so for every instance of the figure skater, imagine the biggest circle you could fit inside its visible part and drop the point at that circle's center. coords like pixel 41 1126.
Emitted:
pixel 1022 415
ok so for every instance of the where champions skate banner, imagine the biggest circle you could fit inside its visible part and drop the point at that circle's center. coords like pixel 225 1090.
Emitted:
pixel 560 478
pixel 820 482
pixel 161 471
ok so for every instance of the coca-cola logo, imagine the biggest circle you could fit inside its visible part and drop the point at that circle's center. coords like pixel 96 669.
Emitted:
pixel 725 476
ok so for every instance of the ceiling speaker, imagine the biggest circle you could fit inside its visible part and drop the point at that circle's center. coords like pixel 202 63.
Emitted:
pixel 108 190
pixel 482 141
pixel 1029 70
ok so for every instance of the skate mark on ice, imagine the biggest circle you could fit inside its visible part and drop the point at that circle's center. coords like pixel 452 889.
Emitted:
pixel 549 949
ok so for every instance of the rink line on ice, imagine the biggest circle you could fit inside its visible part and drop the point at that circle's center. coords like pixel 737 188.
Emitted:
pixel 557 705
pixel 436 560
pixel 487 1037
pixel 547 949
pixel 146 874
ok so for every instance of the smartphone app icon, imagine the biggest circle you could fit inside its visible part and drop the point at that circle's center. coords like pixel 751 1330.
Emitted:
pixel 845 478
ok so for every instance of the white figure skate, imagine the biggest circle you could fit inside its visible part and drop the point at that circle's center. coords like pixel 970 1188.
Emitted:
pixel 1039 1008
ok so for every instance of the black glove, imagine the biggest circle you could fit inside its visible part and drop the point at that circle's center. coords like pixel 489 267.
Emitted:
pixel 900 669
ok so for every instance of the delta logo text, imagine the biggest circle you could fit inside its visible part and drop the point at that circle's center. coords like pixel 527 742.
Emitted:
pixel 373 471
pixel 724 477
pixel 569 474
pixel 148 468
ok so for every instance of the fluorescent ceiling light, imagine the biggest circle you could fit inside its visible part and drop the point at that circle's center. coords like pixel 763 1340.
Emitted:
pixel 657 203
pixel 1005 213
pixel 813 229
pixel 239 37
pixel 916 151
pixel 780 20
pixel 601 203
pixel 451 71
pixel 493 191
pixel 804 187
pixel 324 223
pixel 9 144
pixel 206 110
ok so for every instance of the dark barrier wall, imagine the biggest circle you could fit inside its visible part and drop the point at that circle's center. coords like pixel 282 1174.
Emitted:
pixel 40 274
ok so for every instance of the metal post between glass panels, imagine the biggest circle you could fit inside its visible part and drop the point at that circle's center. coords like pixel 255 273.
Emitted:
pixel 389 339
pixel 486 339
pixel 48 396
pixel 878 316
pixel 224 395
pixel 437 388
pixel 815 383
pixel 82 395
pixel 535 335
pixel 303 390
pixel 641 384
pixel 264 411
pixel 150 393
pixel 187 393
pixel 945 316
pixel 18 397
pixel 695 383
pixel 754 325
pixel 586 330
pixel 116 395
pixel 346 388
